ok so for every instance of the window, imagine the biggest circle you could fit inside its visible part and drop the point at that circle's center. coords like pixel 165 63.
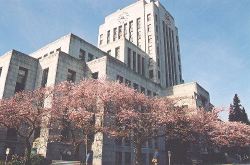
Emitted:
pixel 149 39
pixel 159 75
pixel 65 132
pixel 139 63
pixel 114 34
pixel 82 54
pixel 58 49
pixel 21 79
pixel 71 76
pixel 149 27
pixel 117 52
pixel 127 158
pixel 11 134
pixel 94 75
pixel 150 49
pixel 118 141
pixel 1 68
pixel 142 90
pixel 125 30
pixel 51 52
pixel 119 32
pixel 138 23
pixel 127 141
pixel 134 60
pixel 109 52
pixel 131 26
pixel 90 57
pixel 149 93
pixel 37 132
pixel 101 39
pixel 135 86
pixel 151 74
pixel 45 55
pixel 108 36
pixel 131 31
pixel 158 62
pixel 128 82
pixel 45 77
pixel 148 17
pixel 156 18
pixel 129 57
pixel 119 79
pixel 143 66
pixel 118 158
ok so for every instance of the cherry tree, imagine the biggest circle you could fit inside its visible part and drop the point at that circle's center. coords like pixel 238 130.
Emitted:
pixel 133 115
pixel 25 112
pixel 73 113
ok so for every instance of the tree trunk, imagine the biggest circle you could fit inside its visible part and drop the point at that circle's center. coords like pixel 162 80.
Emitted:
pixel 28 152
pixel 138 154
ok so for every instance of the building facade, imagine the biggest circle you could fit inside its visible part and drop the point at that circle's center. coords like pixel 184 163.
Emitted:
pixel 137 45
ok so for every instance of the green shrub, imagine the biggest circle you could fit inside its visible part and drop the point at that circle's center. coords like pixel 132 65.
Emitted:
pixel 17 160
pixel 37 160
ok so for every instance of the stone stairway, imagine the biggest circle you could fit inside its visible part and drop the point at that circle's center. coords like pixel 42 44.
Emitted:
pixel 62 162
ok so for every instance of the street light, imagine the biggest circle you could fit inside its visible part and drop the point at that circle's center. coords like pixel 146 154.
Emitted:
pixel 169 157
pixel 7 153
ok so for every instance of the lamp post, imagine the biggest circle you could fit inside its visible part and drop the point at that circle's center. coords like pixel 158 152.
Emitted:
pixel 169 157
pixel 7 153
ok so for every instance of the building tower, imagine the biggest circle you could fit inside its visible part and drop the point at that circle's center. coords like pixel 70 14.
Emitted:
pixel 150 28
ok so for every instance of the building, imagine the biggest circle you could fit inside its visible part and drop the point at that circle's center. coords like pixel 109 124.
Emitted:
pixel 138 48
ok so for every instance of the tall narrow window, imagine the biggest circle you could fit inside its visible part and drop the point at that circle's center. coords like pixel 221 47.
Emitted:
pixel 101 39
pixel 138 23
pixel 148 17
pixel 125 30
pixel 139 63
pixel 151 74
pixel 114 34
pixel 134 61
pixel 21 79
pixel 119 32
pixel 129 57
pixel 1 68
pixel 159 75
pixel 71 76
pixel 45 77
pixel 90 57
pixel 117 52
pixel 127 158
pixel 131 31
pixel 108 36
pixel 82 55
pixel 149 28
pixel 118 158
pixel 143 66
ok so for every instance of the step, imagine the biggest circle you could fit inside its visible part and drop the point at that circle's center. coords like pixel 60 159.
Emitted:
pixel 62 162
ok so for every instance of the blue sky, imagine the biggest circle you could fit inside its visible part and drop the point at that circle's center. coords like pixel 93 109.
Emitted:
pixel 214 36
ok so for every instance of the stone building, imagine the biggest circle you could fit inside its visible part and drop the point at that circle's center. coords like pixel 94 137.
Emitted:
pixel 137 45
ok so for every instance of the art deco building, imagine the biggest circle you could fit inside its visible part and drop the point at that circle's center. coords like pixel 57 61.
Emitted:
pixel 137 45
